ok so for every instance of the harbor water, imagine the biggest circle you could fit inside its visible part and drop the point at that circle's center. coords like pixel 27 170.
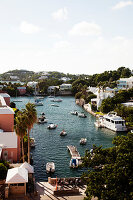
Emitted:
pixel 50 146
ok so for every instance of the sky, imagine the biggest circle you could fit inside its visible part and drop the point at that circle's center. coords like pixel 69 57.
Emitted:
pixel 70 36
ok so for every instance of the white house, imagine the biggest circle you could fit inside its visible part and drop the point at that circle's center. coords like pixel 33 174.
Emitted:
pixel 32 84
pixel 65 86
pixel 125 83
pixel 51 89
pixel 108 92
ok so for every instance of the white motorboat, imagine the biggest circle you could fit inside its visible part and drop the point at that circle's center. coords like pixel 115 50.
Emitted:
pixel 82 115
pixel 32 142
pixel 42 121
pixel 112 121
pixel 55 105
pixel 38 102
pixel 50 96
pixel 50 167
pixel 52 126
pixel 56 100
pixel 74 113
pixel 63 133
pixel 83 141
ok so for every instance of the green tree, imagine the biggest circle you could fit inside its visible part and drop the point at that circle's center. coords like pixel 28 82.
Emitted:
pixel 111 177
pixel 31 118
pixel 21 128
pixel 3 171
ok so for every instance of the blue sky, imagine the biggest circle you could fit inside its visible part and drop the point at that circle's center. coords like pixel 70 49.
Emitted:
pixel 70 36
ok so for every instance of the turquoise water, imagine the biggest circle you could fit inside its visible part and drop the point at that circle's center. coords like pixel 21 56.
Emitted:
pixel 51 147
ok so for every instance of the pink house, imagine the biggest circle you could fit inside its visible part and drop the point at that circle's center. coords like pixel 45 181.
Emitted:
pixel 9 141
pixel 22 90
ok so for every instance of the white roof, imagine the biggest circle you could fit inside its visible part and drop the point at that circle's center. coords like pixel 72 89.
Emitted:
pixel 17 175
pixel 28 167
pixel 8 139
pixel 4 95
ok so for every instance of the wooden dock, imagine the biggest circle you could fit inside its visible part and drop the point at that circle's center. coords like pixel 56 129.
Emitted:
pixel 74 152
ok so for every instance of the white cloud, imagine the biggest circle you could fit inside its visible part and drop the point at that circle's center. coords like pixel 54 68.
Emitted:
pixel 85 29
pixel 55 35
pixel 62 45
pixel 61 14
pixel 28 28
pixel 122 4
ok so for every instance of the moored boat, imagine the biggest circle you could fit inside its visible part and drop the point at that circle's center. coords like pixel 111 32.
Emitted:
pixel 112 121
pixel 83 141
pixel 38 102
pixel 50 167
pixel 83 115
pixel 55 105
pixel 56 100
pixel 32 142
pixel 74 112
pixel 63 133
pixel 52 126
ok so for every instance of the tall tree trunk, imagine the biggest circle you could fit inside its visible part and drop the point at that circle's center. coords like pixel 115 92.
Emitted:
pixel 29 146
pixel 22 149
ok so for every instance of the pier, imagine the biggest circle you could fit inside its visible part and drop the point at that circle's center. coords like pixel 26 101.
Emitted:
pixel 74 152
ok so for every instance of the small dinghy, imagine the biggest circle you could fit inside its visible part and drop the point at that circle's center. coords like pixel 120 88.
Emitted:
pixel 42 121
pixel 52 126
pixel 83 141
pixel 50 167
pixel 82 115
pixel 63 133
pixel 74 112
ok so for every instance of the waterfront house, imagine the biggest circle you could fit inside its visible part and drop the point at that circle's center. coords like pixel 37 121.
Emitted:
pixel 51 89
pixel 9 141
pixel 22 90
pixel 108 92
pixel 125 83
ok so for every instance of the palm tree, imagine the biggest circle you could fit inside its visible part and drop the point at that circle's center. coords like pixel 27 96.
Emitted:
pixel 31 118
pixel 21 128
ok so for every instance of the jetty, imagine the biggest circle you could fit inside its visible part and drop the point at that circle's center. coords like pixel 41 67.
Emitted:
pixel 74 152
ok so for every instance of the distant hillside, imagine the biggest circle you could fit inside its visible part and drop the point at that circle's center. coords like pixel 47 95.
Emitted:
pixel 25 75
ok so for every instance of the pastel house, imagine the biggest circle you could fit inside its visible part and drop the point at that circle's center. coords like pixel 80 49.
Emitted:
pixel 22 90
pixel 9 141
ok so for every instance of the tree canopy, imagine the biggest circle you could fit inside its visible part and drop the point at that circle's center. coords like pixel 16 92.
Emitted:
pixel 110 174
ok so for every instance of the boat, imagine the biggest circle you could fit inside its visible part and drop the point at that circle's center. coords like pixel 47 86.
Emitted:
pixel 38 102
pixel 83 115
pixel 112 121
pixel 56 100
pixel 42 121
pixel 63 133
pixel 55 105
pixel 50 96
pixel 32 142
pixel 74 163
pixel 74 113
pixel 52 126
pixel 42 116
pixel 50 167
pixel 41 98
pixel 83 141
